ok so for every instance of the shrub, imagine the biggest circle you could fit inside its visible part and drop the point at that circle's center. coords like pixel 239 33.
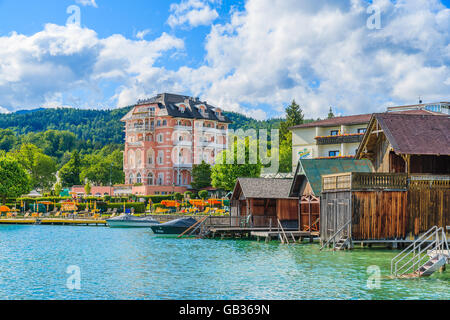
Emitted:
pixel 139 207
pixel 203 194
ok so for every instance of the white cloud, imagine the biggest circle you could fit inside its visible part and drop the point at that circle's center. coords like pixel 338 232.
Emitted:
pixel 322 54
pixel 192 13
pixel 91 3
pixel 4 110
pixel 62 63
pixel 319 53
pixel 141 34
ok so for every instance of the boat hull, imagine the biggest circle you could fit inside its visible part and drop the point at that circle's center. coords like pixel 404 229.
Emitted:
pixel 159 229
pixel 130 224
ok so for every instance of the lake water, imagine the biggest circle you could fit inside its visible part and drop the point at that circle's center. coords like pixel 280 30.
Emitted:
pixel 135 264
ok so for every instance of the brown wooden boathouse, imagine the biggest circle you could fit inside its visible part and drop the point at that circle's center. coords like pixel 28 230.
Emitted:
pixel 408 193
pixel 262 202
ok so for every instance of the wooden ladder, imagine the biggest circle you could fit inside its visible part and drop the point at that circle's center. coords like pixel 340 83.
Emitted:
pixel 191 228
pixel 282 234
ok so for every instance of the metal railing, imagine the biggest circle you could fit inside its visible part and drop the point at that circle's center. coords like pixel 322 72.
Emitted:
pixel 415 254
pixel 341 229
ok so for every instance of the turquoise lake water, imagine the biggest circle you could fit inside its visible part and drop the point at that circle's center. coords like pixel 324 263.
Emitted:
pixel 135 264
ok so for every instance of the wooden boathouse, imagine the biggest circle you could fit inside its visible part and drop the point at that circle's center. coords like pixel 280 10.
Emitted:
pixel 307 185
pixel 407 194
pixel 261 203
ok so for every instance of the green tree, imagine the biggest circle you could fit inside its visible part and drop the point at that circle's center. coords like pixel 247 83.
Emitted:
pixel 187 195
pixel 58 189
pixel 203 194
pixel 41 167
pixel 294 116
pixel 103 167
pixel 8 139
pixel 178 196
pixel 88 188
pixel 14 180
pixel 201 176
pixel 285 153
pixel 330 113
pixel 70 172
pixel 224 174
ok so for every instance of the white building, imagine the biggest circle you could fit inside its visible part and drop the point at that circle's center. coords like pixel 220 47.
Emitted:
pixel 330 138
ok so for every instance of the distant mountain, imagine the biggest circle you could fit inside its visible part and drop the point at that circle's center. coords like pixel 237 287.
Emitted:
pixel 98 126
pixel 29 111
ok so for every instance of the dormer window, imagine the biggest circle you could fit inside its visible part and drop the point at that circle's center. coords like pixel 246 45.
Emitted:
pixel 202 110
pixel 182 108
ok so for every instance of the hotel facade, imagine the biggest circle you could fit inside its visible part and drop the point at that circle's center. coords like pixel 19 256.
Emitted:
pixel 330 138
pixel 165 136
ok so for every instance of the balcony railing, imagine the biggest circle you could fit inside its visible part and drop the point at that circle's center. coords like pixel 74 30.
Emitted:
pixel 182 128
pixel 183 143
pixel 140 128
pixel 429 181
pixel 344 138
pixel 365 181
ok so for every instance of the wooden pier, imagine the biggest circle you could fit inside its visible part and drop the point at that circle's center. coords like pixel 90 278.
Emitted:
pixel 260 233
pixel 50 221
pixel 292 236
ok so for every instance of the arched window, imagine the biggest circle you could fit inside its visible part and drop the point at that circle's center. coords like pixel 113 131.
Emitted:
pixel 131 179
pixel 160 157
pixel 150 179
pixel 150 156
pixel 131 159
pixel 138 158
pixel 139 178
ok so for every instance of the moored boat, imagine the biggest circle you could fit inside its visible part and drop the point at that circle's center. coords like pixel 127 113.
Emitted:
pixel 177 226
pixel 128 221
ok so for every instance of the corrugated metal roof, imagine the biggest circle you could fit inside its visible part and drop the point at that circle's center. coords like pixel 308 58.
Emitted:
pixel 314 169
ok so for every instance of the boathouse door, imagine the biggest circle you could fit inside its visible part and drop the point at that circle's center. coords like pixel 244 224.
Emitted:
pixel 335 214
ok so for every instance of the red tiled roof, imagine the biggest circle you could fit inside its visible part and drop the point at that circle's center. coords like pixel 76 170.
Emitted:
pixel 415 133
pixel 338 121
pixel 356 119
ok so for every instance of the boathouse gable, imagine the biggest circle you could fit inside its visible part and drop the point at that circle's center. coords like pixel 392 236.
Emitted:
pixel 265 201
pixel 307 185
pixel 407 194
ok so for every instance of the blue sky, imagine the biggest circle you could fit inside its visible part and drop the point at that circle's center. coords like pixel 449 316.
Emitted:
pixel 251 56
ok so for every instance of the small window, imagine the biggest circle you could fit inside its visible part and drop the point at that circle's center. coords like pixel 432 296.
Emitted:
pixel 164 123
pixel 334 132
pixel 333 153
pixel 362 130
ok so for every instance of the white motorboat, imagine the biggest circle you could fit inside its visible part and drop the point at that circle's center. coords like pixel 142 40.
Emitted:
pixel 129 221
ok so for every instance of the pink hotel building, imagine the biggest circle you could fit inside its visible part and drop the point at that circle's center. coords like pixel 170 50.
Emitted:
pixel 165 136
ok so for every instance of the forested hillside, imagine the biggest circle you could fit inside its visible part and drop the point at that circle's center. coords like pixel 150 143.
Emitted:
pixel 99 127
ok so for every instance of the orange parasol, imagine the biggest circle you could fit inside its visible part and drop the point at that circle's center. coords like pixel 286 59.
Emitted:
pixel 4 209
